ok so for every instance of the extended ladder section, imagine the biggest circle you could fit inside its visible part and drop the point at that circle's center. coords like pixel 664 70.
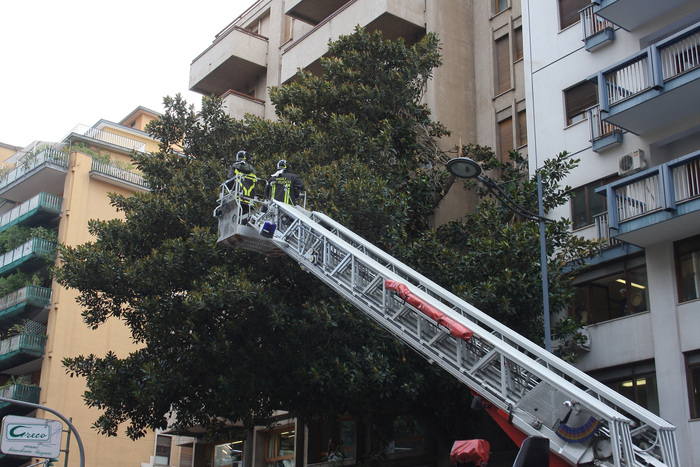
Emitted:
pixel 533 392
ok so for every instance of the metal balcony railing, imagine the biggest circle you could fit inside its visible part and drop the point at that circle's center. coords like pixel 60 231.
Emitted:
pixel 27 164
pixel 110 138
pixel 31 293
pixel 591 23
pixel 660 188
pixel 118 173
pixel 42 201
pixel 650 68
pixel 602 227
pixel 31 248
pixel 21 392
pixel 30 343
pixel 599 127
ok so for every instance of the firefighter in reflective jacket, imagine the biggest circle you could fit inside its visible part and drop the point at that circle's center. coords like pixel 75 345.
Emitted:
pixel 285 186
pixel 242 178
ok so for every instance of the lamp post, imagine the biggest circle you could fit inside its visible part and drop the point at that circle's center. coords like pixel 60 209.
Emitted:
pixel 463 167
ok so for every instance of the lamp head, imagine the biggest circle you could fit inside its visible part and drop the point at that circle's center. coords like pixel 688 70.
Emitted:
pixel 463 167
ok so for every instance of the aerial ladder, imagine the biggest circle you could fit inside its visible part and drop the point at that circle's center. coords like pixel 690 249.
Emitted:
pixel 528 391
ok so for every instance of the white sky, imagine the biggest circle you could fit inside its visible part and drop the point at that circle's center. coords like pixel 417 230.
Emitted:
pixel 70 62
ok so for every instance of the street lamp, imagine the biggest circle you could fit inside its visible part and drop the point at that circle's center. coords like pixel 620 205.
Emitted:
pixel 463 167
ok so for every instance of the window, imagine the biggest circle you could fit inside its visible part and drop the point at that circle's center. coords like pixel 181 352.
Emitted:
pixel 502 65
pixel 586 204
pixel 280 449
pixel 331 440
pixel 522 128
pixel 408 435
pixel 578 99
pixel 186 456
pixel 228 454
pixel 287 29
pixel 637 382
pixel 568 11
pixel 613 291
pixel 687 268
pixel 518 39
pixel 505 138
pixel 163 444
pixel 692 363
pixel 499 6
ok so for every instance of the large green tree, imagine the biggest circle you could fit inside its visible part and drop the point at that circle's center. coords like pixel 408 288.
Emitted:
pixel 226 334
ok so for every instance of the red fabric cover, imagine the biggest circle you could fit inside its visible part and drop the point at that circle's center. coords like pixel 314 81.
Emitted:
pixel 470 450
pixel 456 330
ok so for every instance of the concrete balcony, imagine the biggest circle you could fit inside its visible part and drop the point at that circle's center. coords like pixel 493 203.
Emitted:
pixel 29 257
pixel 117 176
pixel 18 392
pixel 239 104
pixel 234 61
pixel 312 11
pixel 597 31
pixel 657 88
pixel 631 14
pixel 39 210
pixel 30 302
pixel 20 350
pixel 92 135
pixel 395 18
pixel 603 134
pixel 45 171
pixel 656 205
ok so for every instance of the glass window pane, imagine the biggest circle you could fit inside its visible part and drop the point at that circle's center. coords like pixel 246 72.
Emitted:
pixel 503 62
pixel 695 390
pixel 688 266
pixel 579 210
pixel 286 443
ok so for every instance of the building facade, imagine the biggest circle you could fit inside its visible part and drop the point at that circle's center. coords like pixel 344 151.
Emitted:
pixel 478 93
pixel 49 193
pixel 615 84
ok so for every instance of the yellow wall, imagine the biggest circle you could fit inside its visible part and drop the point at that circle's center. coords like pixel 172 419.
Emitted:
pixel 84 199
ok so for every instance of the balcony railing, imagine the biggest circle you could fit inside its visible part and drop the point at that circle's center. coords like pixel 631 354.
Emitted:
pixel 24 303
pixel 20 349
pixel 599 127
pixel 651 68
pixel 21 392
pixel 603 230
pixel 593 24
pixel 34 293
pixel 107 137
pixel 118 173
pixel 30 249
pixel 41 202
pixel 660 188
pixel 597 31
pixel 48 156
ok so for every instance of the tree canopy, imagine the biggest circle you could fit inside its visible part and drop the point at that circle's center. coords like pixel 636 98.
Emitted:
pixel 226 334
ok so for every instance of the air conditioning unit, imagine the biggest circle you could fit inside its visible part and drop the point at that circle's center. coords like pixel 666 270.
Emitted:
pixel 632 162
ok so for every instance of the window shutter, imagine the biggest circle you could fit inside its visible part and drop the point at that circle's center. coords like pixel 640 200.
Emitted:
pixel 579 98
pixel 502 65
pixel 568 11
pixel 505 138
pixel 518 36
pixel 522 128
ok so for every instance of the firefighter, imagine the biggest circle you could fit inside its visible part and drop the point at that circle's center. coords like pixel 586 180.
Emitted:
pixel 242 179
pixel 285 186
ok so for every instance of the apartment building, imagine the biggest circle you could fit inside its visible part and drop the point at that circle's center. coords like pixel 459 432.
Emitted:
pixel 478 93
pixel 49 191
pixel 616 83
